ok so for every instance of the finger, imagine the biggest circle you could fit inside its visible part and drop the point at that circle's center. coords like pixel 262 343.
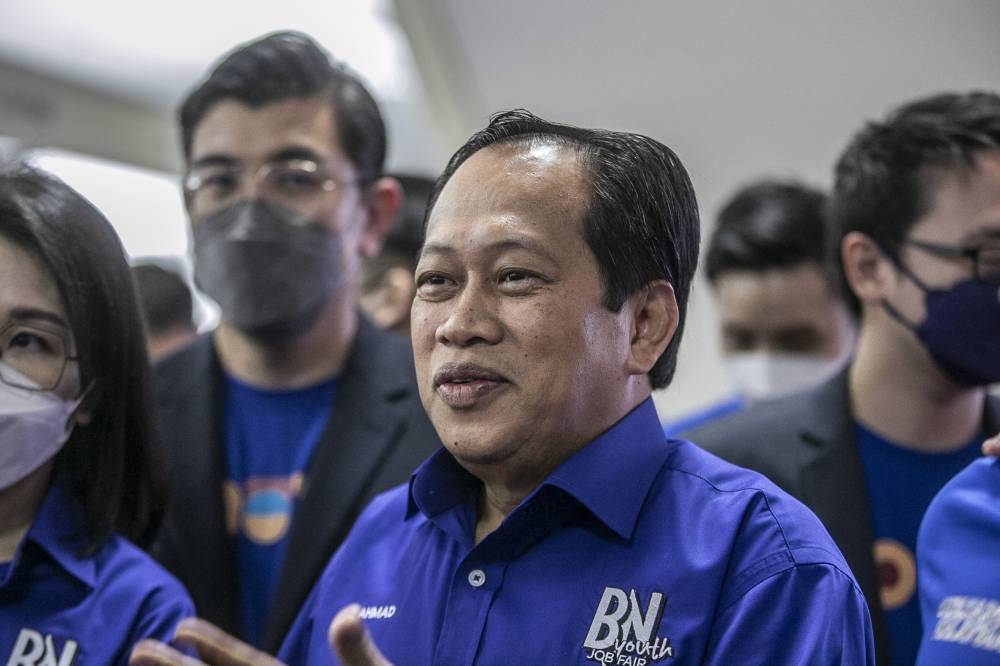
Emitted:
pixel 351 642
pixel 148 652
pixel 217 648
pixel 991 447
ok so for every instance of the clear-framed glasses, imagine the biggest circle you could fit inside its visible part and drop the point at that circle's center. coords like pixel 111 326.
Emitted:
pixel 33 356
pixel 985 258
pixel 297 184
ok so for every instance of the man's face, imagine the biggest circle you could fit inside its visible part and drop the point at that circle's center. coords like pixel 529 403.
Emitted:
pixel 234 134
pixel 783 311
pixel 965 212
pixel 519 363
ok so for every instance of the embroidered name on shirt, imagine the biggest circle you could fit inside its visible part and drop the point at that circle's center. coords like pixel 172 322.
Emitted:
pixel 969 621
pixel 377 612
pixel 34 649
pixel 621 633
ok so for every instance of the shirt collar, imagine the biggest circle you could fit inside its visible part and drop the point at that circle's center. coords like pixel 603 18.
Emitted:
pixel 58 529
pixel 610 476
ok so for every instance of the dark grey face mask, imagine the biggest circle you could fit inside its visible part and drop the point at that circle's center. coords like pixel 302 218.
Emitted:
pixel 270 269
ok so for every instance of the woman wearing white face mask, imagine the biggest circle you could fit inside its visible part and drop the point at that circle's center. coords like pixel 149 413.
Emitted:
pixel 77 474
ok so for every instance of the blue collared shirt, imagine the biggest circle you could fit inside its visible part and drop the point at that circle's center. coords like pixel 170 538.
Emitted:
pixel 58 607
pixel 957 570
pixel 636 550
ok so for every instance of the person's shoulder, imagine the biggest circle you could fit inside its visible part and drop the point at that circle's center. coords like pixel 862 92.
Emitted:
pixel 120 563
pixel 766 429
pixel 767 520
pixel 185 364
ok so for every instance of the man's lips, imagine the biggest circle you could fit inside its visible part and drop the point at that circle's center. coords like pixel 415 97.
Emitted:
pixel 465 384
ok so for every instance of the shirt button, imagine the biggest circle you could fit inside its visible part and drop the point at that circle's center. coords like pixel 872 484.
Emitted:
pixel 477 577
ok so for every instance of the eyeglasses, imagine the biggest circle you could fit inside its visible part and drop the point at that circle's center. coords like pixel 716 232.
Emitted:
pixel 985 258
pixel 298 184
pixel 33 357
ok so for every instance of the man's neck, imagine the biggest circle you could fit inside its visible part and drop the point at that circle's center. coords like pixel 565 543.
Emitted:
pixel 911 403
pixel 294 362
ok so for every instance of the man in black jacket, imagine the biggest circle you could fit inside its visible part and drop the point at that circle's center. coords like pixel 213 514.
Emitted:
pixel 916 207
pixel 295 411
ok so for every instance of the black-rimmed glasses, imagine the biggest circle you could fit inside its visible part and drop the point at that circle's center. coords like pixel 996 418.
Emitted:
pixel 985 258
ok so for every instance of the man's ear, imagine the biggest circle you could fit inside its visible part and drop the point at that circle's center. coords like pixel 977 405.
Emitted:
pixel 868 271
pixel 655 317
pixel 382 202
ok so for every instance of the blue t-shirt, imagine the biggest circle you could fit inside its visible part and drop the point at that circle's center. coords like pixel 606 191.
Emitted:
pixel 58 606
pixel 635 550
pixel 958 560
pixel 270 436
pixel 901 483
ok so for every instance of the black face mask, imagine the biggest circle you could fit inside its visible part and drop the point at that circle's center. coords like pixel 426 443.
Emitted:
pixel 961 330
pixel 270 269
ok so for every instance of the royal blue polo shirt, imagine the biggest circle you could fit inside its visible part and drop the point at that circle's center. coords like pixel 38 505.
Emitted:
pixel 58 606
pixel 636 550
pixel 959 577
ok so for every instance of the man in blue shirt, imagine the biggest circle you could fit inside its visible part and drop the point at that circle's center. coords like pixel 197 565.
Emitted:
pixel 559 525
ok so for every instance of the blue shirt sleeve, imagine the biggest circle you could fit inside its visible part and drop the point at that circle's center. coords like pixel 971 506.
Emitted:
pixel 806 614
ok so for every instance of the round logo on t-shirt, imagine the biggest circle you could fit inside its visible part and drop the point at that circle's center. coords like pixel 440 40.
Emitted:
pixel 897 573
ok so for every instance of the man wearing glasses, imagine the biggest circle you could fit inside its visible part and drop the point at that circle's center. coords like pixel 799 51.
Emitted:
pixel 916 206
pixel 295 411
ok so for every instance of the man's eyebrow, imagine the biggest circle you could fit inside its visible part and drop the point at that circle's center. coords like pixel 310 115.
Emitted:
pixel 214 159
pixel 497 247
pixel 282 154
pixel 27 315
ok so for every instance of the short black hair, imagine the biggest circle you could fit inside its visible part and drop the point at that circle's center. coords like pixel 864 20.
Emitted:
pixel 773 225
pixel 164 297
pixel 111 463
pixel 641 221
pixel 886 177
pixel 291 65
pixel 406 235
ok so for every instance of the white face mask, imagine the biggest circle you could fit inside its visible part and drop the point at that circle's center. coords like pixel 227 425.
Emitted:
pixel 767 375
pixel 34 425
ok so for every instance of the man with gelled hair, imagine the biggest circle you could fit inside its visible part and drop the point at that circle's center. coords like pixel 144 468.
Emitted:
pixel 296 410
pixel 558 524
pixel 916 210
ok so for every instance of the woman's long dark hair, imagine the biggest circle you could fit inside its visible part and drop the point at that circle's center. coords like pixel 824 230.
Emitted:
pixel 111 464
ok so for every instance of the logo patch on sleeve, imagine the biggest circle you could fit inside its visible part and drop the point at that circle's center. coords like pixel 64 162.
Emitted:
pixel 622 632
pixel 32 648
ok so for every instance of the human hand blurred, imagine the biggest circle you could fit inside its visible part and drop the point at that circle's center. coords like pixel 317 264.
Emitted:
pixel 991 447
pixel 214 647
pixel 351 642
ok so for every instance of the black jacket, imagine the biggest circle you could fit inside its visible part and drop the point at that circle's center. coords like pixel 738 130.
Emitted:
pixel 376 435
pixel 805 444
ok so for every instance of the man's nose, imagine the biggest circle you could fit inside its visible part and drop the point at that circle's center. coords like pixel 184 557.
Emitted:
pixel 473 318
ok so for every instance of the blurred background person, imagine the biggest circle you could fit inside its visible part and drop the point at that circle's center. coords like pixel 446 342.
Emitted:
pixel 784 320
pixel 79 474
pixel 387 286
pixel 295 411
pixel 168 315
